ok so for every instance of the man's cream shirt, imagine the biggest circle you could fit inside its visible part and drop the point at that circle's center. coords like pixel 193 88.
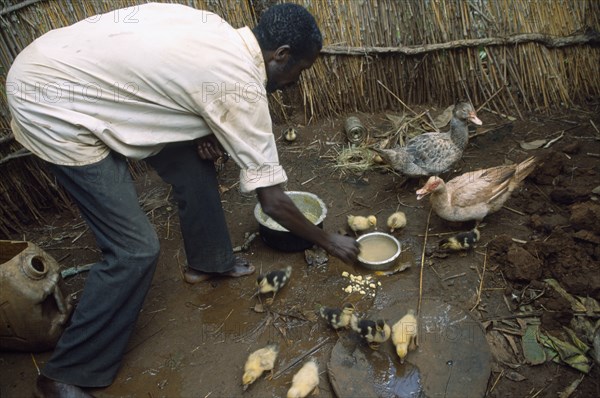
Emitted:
pixel 135 79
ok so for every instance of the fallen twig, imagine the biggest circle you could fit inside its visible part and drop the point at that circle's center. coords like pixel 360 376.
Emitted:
pixel 309 180
pixel 552 141
pixel 566 393
pixel 497 380
pixel 144 340
pixel 454 276
pixel 179 265
pixel 514 211
pixel 481 281
pixel 222 324
pixel 513 316
pixel 7 138
pixel 423 262
pixel 489 130
pixel 511 118
pixel 75 270
pixel 439 234
pixel 263 324
pixel 594 126
pixel 35 364
pixel 80 235
pixel 17 154
pixel 246 245
pixel 299 359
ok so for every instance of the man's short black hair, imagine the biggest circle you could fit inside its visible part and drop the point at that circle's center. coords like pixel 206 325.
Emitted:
pixel 289 24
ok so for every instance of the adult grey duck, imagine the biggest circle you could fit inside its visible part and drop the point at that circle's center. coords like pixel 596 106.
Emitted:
pixel 433 153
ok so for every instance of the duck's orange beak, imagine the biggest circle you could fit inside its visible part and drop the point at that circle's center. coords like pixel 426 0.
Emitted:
pixel 421 193
pixel 474 119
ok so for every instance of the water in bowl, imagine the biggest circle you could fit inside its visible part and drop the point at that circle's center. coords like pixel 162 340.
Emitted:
pixel 377 249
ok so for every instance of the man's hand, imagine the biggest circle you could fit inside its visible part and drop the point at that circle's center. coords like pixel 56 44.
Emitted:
pixel 209 148
pixel 343 247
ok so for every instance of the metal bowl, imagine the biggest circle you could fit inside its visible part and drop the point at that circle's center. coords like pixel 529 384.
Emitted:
pixel 280 238
pixel 378 251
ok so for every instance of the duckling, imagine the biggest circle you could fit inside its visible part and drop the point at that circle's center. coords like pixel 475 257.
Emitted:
pixel 338 318
pixel 360 223
pixel 404 334
pixel 257 362
pixel 396 221
pixel 290 134
pixel 305 381
pixel 273 281
pixel 373 332
pixel 461 241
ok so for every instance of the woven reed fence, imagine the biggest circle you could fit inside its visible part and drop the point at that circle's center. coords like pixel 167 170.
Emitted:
pixel 511 55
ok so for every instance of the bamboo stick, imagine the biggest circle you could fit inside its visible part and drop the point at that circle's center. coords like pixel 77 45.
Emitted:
pixel 546 40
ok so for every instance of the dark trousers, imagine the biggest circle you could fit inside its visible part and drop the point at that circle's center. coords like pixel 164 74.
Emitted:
pixel 91 348
pixel 196 189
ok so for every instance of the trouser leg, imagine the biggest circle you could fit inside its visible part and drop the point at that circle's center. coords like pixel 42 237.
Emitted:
pixel 91 348
pixel 195 187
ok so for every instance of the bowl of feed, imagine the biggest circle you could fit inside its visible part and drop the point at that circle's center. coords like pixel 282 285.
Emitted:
pixel 280 238
pixel 378 251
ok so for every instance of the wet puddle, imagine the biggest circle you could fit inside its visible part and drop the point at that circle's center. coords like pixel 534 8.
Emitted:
pixel 391 380
pixel 356 370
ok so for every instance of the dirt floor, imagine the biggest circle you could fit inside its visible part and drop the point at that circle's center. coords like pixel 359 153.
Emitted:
pixel 193 341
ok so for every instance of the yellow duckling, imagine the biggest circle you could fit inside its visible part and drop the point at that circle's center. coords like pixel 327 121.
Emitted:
pixel 396 221
pixel 290 134
pixel 360 223
pixel 257 362
pixel 305 381
pixel 404 334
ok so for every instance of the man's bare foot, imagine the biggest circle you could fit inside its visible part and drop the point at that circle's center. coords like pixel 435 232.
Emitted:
pixel 48 388
pixel 241 267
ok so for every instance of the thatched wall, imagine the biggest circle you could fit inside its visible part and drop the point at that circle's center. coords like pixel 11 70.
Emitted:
pixel 509 55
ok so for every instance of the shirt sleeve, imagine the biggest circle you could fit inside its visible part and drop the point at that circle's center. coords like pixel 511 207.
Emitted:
pixel 239 117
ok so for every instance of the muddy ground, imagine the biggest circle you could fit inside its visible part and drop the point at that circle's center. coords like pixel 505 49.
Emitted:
pixel 193 340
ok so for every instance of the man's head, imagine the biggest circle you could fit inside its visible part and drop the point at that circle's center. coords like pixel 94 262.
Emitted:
pixel 290 41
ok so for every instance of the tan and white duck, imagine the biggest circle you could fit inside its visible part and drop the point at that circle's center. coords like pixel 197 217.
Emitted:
pixel 433 153
pixel 475 194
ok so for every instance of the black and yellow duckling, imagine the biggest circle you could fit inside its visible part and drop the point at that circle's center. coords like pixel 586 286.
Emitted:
pixel 373 332
pixel 273 281
pixel 338 318
pixel 460 242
